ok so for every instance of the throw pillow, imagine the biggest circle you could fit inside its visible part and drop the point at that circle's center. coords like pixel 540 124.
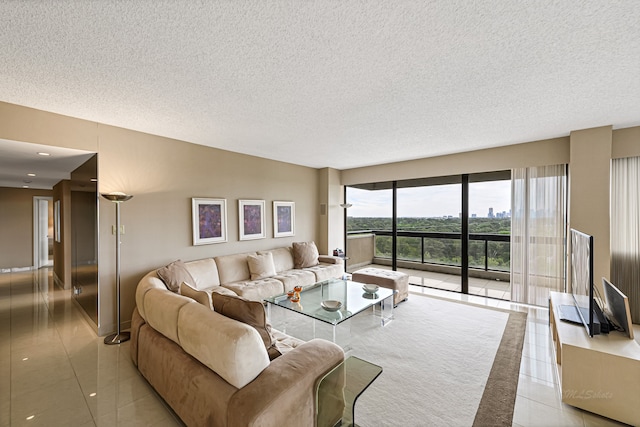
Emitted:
pixel 250 312
pixel 305 254
pixel 174 274
pixel 261 266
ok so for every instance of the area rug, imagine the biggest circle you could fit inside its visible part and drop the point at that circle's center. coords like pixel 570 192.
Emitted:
pixel 444 364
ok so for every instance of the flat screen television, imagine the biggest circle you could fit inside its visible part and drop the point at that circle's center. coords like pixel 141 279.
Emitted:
pixel 585 309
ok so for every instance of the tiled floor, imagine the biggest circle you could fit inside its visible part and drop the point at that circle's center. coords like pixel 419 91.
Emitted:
pixel 54 370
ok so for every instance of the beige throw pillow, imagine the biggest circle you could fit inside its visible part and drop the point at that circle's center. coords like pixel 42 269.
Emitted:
pixel 261 266
pixel 305 254
pixel 250 312
pixel 174 274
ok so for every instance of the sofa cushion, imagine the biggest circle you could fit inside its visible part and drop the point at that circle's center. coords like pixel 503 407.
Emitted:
pixel 203 296
pixel 162 308
pixel 230 348
pixel 326 271
pixel 250 312
pixel 261 266
pixel 256 290
pixel 204 273
pixel 233 268
pixel 305 254
pixel 282 258
pixel 293 278
pixel 174 274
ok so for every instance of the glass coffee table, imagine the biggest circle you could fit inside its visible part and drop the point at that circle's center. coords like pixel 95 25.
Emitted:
pixel 307 318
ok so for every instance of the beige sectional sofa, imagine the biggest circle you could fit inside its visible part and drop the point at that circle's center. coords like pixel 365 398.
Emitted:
pixel 237 273
pixel 216 370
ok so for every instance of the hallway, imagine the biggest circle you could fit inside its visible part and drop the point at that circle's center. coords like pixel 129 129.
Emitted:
pixel 55 371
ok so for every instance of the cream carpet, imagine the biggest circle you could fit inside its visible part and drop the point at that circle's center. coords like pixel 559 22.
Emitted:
pixel 436 357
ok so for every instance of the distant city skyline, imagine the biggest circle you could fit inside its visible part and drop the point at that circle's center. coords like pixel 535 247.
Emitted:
pixel 432 202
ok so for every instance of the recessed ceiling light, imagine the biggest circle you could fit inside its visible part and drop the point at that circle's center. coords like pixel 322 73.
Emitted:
pixel 25 186
pixel 94 179
pixel 30 417
pixel 93 394
pixel 25 358
pixel 42 153
pixel 31 174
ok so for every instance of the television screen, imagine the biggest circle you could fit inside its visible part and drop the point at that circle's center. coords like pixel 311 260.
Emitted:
pixel 617 308
pixel 582 280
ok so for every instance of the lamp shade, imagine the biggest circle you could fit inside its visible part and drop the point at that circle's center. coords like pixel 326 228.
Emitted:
pixel 116 196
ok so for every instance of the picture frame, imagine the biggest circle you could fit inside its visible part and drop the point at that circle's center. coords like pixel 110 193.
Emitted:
pixel 251 219
pixel 284 219
pixel 209 220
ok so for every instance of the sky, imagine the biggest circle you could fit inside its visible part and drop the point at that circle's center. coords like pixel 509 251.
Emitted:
pixel 433 201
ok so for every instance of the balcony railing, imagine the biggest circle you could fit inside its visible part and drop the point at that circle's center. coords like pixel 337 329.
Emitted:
pixel 440 248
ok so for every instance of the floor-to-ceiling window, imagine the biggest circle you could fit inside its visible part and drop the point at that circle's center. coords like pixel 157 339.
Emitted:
pixel 429 225
pixel 450 233
pixel 489 234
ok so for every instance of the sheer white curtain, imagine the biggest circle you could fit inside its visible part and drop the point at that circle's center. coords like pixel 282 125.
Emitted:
pixel 625 230
pixel 538 232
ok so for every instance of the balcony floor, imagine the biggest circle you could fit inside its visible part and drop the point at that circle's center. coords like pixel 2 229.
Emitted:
pixel 450 282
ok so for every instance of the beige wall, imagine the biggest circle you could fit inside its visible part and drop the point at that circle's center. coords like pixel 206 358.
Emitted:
pixel 626 143
pixel 589 178
pixel 163 175
pixel 331 224
pixel 16 226
pixel 539 153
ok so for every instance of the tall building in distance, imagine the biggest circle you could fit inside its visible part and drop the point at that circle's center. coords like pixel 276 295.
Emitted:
pixel 490 214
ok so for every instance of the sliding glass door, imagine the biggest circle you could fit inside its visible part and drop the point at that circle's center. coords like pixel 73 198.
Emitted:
pixel 428 237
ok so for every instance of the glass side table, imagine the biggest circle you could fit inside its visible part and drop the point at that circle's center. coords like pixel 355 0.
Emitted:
pixel 340 389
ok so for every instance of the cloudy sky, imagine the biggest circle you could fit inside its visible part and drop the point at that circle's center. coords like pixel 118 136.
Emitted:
pixel 433 201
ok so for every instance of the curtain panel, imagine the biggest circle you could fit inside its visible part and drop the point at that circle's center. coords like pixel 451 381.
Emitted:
pixel 625 230
pixel 538 233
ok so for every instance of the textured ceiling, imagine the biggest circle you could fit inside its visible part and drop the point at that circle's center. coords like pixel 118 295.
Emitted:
pixel 329 83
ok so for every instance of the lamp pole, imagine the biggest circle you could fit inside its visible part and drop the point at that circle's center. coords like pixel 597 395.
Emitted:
pixel 118 337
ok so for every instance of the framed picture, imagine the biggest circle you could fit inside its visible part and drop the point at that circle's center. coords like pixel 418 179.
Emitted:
pixel 209 221
pixel 251 219
pixel 284 219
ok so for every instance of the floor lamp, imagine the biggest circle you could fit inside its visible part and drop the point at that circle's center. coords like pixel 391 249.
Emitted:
pixel 118 337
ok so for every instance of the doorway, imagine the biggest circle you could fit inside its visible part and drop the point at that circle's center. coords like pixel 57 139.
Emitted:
pixel 42 232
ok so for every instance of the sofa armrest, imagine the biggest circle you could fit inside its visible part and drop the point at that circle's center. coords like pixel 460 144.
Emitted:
pixel 284 393
pixel 329 259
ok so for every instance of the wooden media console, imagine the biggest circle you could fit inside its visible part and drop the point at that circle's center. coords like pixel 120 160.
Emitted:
pixel 599 374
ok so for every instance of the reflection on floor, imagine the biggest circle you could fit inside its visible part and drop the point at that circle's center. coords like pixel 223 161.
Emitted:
pixel 54 370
